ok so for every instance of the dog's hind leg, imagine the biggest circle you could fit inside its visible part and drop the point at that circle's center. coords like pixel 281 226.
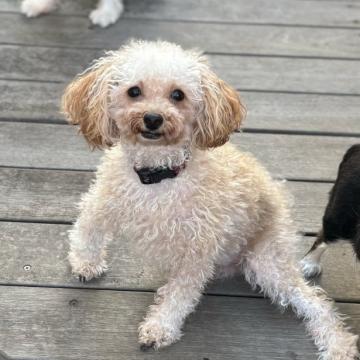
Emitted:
pixel 175 301
pixel 310 264
pixel 269 266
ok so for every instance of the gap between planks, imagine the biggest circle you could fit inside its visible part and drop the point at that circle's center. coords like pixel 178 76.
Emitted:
pixel 258 297
pixel 201 21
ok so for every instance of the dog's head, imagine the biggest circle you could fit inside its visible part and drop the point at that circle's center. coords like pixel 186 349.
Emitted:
pixel 153 93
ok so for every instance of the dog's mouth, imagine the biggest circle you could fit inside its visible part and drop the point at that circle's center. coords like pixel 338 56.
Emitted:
pixel 151 135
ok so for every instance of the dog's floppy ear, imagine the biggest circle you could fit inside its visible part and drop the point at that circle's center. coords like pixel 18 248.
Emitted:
pixel 85 102
pixel 222 113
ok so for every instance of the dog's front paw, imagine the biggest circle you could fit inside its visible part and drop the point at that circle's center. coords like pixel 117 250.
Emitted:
pixel 105 16
pixel 155 335
pixel 86 270
pixel 310 267
pixel 33 8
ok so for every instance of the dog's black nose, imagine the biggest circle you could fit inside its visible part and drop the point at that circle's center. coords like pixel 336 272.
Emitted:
pixel 153 121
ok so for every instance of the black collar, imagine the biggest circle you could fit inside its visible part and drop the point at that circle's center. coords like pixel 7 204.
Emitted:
pixel 155 175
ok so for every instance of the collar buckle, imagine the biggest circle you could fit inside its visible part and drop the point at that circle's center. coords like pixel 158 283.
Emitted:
pixel 155 175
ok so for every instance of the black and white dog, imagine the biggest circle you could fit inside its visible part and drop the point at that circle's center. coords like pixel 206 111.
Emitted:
pixel 342 215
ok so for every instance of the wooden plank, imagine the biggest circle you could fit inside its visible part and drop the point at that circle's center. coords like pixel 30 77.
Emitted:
pixel 30 101
pixel 41 195
pixel 46 325
pixel 213 37
pixel 62 324
pixel 335 13
pixel 47 247
pixel 244 73
pixel 52 195
pixel 47 145
pixel 302 112
pixel 37 101
pixel 59 146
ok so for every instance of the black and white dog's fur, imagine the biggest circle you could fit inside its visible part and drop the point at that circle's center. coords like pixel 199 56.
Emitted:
pixel 342 215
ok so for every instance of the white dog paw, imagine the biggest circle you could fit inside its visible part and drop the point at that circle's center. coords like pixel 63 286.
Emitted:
pixel 33 8
pixel 90 271
pixel 154 335
pixel 106 15
pixel 86 270
pixel 310 268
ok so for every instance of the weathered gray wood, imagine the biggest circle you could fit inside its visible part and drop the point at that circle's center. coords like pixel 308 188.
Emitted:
pixel 103 325
pixel 59 146
pixel 299 157
pixel 298 112
pixel 334 13
pixel 249 72
pixel 30 101
pixel 47 145
pixel 36 101
pixel 212 37
pixel 41 195
pixel 44 248
pixel 72 324
pixel 52 195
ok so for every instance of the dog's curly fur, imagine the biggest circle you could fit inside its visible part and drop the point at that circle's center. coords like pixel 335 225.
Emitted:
pixel 106 13
pixel 221 215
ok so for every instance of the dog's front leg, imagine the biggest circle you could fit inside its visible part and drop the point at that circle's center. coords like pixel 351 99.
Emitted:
pixel 173 303
pixel 88 239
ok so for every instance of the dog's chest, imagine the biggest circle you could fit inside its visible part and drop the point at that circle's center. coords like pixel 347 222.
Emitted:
pixel 167 219
pixel 156 207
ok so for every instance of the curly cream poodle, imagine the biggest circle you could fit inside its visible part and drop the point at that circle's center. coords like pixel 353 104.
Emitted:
pixel 185 197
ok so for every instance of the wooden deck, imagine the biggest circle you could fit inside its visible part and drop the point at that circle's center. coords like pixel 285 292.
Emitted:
pixel 297 66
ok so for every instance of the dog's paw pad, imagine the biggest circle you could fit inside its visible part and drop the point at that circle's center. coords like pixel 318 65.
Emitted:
pixel 310 268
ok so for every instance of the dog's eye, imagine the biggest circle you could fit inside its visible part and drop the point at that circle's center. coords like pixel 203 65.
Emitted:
pixel 177 95
pixel 134 91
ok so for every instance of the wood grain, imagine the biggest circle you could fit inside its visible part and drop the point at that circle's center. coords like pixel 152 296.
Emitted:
pixel 211 37
pixel 242 72
pixel 44 248
pixel 294 12
pixel 58 146
pixel 59 324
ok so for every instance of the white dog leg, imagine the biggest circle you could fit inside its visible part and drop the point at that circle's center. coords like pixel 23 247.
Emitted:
pixel 88 239
pixel 277 274
pixel 33 8
pixel 310 264
pixel 173 303
pixel 107 12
